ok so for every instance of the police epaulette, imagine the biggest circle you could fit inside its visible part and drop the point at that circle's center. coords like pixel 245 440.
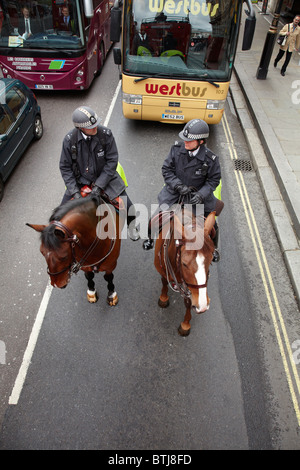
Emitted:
pixel 105 130
pixel 177 144
pixel 210 154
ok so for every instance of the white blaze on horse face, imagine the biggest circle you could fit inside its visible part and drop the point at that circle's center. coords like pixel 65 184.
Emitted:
pixel 201 279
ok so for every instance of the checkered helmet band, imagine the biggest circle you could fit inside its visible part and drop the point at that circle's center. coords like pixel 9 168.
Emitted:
pixel 187 134
pixel 196 129
pixel 85 117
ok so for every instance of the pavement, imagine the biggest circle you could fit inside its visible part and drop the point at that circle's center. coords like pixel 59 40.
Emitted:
pixel 269 113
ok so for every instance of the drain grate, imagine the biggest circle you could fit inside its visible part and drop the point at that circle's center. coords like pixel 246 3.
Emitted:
pixel 242 165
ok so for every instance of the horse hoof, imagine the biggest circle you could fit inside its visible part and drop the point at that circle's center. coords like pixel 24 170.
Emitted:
pixel 183 331
pixel 112 299
pixel 92 296
pixel 163 304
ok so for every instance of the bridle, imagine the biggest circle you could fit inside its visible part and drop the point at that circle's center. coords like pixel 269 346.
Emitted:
pixel 181 286
pixel 73 239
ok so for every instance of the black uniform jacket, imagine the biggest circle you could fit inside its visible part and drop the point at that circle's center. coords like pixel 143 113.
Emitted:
pixel 97 163
pixel 201 171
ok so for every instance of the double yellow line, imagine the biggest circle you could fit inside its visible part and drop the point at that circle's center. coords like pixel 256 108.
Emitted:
pixel 276 315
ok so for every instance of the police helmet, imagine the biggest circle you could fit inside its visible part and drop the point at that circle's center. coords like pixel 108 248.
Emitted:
pixel 84 117
pixel 196 129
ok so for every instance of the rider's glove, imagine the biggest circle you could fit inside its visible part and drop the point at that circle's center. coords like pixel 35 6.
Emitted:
pixel 182 189
pixel 95 193
pixel 196 198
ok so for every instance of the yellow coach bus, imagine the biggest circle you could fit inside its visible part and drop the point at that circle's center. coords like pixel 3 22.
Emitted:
pixel 177 56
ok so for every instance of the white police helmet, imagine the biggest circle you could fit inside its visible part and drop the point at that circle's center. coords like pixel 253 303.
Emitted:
pixel 196 129
pixel 85 118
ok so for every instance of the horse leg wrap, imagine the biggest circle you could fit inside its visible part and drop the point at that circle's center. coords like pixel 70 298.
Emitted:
pixel 92 296
pixel 112 299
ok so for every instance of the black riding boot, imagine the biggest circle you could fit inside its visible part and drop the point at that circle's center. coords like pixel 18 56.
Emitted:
pixel 149 243
pixel 216 254
pixel 132 228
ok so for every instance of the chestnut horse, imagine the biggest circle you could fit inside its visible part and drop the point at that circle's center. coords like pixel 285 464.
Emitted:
pixel 82 236
pixel 182 258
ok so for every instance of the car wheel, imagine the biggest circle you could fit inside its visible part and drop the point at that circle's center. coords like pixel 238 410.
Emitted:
pixel 38 127
pixel 1 189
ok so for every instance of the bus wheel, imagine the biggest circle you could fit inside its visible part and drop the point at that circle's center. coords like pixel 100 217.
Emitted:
pixel 101 59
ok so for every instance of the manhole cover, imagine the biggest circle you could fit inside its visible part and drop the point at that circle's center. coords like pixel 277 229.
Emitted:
pixel 242 165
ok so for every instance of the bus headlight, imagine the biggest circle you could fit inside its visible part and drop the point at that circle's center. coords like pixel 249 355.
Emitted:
pixel 215 104
pixel 132 99
pixel 79 75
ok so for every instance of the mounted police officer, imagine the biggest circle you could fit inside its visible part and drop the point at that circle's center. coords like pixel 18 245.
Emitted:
pixel 191 173
pixel 90 157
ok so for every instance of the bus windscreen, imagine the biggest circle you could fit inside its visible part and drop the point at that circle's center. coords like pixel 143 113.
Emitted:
pixel 41 24
pixel 188 39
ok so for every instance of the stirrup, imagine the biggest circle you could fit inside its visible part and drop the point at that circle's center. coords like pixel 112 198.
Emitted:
pixel 216 256
pixel 133 233
pixel 148 244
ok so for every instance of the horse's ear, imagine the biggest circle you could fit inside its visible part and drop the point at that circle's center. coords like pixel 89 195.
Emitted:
pixel 209 222
pixel 37 228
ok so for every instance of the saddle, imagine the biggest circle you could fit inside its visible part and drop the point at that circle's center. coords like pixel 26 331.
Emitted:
pixel 159 220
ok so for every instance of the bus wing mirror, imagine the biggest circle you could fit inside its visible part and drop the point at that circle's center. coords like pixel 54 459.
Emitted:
pixel 117 55
pixel 249 27
pixel 115 24
pixel 88 8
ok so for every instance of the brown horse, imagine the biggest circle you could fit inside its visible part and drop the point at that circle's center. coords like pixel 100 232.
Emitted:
pixel 182 258
pixel 82 236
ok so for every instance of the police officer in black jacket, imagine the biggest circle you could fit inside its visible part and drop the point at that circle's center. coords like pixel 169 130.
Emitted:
pixel 90 157
pixel 191 173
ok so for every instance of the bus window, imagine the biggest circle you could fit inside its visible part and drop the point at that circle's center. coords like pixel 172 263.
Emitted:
pixel 65 21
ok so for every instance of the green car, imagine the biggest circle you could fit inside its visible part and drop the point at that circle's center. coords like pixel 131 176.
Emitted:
pixel 20 122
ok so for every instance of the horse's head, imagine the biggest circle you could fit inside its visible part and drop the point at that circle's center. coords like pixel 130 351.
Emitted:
pixel 194 258
pixel 56 247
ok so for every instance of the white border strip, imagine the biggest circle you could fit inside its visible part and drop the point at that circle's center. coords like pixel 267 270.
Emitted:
pixel 19 382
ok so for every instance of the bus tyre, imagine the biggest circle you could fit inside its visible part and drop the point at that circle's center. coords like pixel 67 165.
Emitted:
pixel 38 127
pixel 101 60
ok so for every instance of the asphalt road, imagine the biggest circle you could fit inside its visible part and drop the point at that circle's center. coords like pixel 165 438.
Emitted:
pixel 122 378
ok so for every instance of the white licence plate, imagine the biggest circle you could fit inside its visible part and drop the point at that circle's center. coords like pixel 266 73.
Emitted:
pixel 44 87
pixel 178 117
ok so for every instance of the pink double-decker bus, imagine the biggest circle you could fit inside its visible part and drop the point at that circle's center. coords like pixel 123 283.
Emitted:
pixel 54 44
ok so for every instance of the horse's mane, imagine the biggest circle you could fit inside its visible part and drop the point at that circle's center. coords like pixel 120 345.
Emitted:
pixel 48 236
pixel 196 225
pixel 60 211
